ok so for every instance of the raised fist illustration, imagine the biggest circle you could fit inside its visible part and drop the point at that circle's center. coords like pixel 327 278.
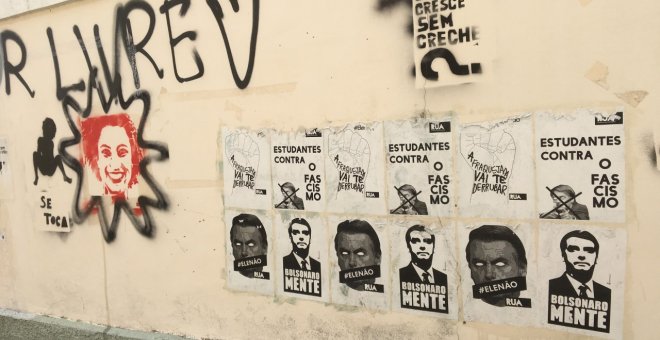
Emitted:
pixel 242 151
pixel 480 146
pixel 348 149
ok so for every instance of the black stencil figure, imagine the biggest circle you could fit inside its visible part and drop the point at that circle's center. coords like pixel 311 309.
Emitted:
pixel 44 159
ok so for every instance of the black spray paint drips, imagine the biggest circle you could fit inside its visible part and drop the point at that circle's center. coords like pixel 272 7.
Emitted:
pixel 134 47
pixel 110 91
pixel 113 85
pixel 7 67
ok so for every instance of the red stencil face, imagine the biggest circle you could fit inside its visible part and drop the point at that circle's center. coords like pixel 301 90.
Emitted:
pixel 110 150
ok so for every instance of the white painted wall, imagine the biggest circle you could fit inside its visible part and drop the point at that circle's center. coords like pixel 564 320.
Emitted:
pixel 317 63
pixel 14 7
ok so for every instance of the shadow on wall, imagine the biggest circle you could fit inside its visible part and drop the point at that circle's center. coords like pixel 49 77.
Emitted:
pixel 650 150
pixel 388 5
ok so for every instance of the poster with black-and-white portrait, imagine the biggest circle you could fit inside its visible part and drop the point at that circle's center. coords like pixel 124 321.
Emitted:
pixel 499 269
pixel 583 273
pixel 246 168
pixel 495 168
pixel 354 167
pixel 249 253
pixel 580 165
pixel 298 164
pixel 359 261
pixel 6 186
pixel 419 167
pixel 302 255
pixel 425 280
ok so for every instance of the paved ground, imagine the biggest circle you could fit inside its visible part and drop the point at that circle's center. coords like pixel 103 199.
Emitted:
pixel 17 325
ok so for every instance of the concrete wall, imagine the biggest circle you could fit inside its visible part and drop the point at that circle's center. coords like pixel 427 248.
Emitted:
pixel 316 64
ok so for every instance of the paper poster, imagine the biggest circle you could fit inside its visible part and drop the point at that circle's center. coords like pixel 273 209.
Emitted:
pixel 360 262
pixel 111 156
pixel 6 186
pixel 495 169
pixel 451 42
pixel 297 161
pixel 302 252
pixel 51 192
pixel 499 271
pixel 246 168
pixel 583 275
pixel 419 167
pixel 424 268
pixel 354 167
pixel 249 251
pixel 580 166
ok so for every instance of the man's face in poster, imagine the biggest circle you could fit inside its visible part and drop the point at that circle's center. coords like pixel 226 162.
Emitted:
pixel 562 200
pixel 300 236
pixel 580 257
pixel 421 246
pixel 247 242
pixel 407 198
pixel 355 250
pixel 288 194
pixel 494 260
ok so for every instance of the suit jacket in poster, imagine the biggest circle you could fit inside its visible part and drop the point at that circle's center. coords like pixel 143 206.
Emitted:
pixel 290 262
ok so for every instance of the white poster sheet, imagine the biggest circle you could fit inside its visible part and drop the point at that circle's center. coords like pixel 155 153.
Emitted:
pixel 360 274
pixel 451 42
pixel 298 170
pixel 246 168
pixel 425 281
pixel 583 273
pixel 354 167
pixel 6 185
pixel 500 275
pixel 302 255
pixel 580 166
pixel 495 169
pixel 419 158
pixel 249 252
pixel 51 184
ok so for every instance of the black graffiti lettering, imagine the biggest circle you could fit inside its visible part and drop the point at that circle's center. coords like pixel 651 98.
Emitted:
pixel 60 91
pixel 132 49
pixel 111 82
pixel 215 7
pixel 10 68
pixel 192 35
